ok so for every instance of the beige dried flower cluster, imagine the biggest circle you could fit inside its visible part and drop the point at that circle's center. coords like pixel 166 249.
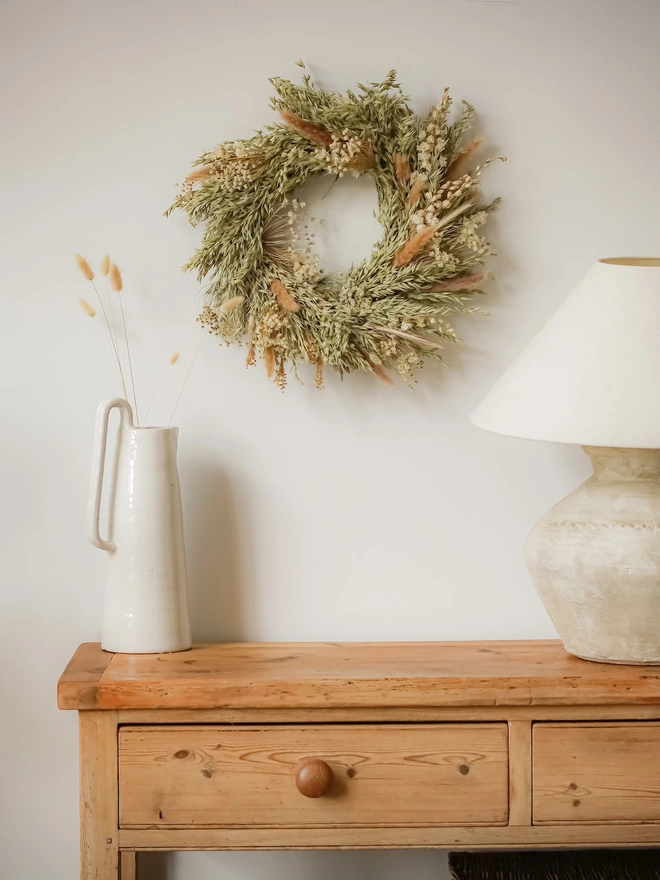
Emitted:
pixel 433 137
pixel 265 285
pixel 230 165
pixel 342 153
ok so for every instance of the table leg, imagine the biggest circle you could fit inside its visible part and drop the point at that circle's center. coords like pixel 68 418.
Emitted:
pixel 99 797
pixel 128 865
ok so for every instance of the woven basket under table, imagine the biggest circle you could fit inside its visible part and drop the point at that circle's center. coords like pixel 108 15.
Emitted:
pixel 601 864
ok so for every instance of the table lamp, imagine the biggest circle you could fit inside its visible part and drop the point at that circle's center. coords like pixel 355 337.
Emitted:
pixel 591 376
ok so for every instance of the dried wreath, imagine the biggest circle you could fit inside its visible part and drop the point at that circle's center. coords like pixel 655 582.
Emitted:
pixel 391 310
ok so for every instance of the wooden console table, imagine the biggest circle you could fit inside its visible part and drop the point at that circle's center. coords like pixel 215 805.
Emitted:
pixel 459 745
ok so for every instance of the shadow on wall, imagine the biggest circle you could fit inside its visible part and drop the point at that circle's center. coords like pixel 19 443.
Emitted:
pixel 217 555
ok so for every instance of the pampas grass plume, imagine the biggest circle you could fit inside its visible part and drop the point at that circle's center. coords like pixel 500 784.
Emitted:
pixel 318 377
pixel 459 166
pixel 116 281
pixel 402 168
pixel 412 247
pixel 269 360
pixel 201 172
pixel 465 282
pixel 283 296
pixel 174 358
pixel 416 190
pixel 366 158
pixel 231 304
pixel 105 265
pixel 84 267
pixel 312 132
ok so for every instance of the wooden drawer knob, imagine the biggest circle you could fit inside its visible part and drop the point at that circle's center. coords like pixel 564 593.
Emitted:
pixel 313 777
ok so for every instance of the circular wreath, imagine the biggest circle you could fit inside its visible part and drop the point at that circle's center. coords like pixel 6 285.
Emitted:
pixel 390 310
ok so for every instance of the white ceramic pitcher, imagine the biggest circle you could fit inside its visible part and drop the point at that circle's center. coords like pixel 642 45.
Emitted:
pixel 146 608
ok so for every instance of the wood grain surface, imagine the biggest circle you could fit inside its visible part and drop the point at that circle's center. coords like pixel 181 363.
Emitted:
pixel 382 837
pixel 127 865
pixel 448 745
pixel 386 775
pixel 596 773
pixel 520 773
pixel 79 683
pixel 366 675
pixel 99 843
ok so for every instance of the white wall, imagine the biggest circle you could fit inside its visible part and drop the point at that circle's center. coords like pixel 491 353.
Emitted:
pixel 363 512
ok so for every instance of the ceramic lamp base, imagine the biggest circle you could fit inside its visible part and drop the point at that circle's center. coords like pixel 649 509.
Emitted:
pixel 595 559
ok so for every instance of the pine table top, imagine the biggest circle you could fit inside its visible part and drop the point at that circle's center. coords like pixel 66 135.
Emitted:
pixel 317 675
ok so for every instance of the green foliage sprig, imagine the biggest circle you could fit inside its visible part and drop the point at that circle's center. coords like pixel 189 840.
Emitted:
pixel 390 310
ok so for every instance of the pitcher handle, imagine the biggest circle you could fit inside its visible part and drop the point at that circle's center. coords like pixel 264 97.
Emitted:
pixel 98 466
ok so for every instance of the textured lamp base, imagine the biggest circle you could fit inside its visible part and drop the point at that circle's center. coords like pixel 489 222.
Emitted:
pixel 595 559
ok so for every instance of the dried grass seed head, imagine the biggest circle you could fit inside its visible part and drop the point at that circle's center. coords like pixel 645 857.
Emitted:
pixel 84 267
pixel 87 308
pixel 116 280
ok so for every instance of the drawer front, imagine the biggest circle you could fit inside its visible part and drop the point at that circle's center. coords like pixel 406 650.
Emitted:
pixel 227 776
pixel 596 772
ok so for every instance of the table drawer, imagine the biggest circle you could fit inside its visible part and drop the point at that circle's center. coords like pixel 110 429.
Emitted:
pixel 599 772
pixel 443 774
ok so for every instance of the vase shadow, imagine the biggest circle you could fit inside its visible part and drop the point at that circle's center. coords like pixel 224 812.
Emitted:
pixel 217 575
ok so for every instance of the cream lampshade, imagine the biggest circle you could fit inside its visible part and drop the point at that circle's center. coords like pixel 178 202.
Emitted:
pixel 591 376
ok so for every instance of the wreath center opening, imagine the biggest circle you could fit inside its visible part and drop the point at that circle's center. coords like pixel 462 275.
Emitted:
pixel 338 220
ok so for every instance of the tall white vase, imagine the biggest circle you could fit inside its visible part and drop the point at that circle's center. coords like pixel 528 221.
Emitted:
pixel 146 608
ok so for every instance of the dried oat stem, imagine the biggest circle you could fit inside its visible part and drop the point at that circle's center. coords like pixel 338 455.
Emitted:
pixel 380 372
pixel 112 332
pixel 455 214
pixel 418 340
pixel 185 381
pixel 117 284
pixel 106 266
pixel 91 313
pixel 173 359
